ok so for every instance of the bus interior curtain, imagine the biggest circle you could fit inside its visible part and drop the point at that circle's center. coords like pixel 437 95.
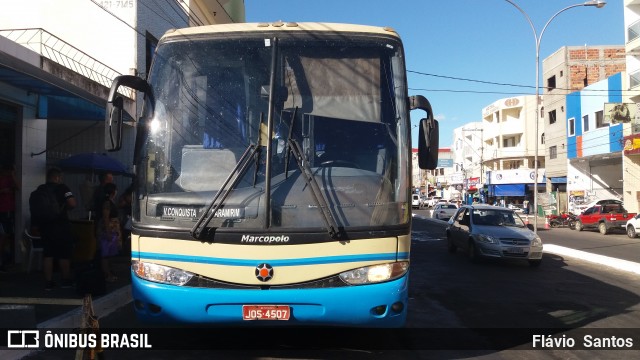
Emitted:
pixel 345 88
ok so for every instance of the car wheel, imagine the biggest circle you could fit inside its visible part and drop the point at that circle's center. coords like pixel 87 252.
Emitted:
pixel 472 252
pixel 450 245
pixel 579 225
pixel 535 263
pixel 631 231
pixel 602 227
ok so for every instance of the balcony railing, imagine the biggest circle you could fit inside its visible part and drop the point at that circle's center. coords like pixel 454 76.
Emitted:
pixel 634 79
pixel 59 51
pixel 633 31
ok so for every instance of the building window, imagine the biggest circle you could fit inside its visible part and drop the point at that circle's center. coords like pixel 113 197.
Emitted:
pixel 515 164
pixel 542 139
pixel 585 123
pixel 552 117
pixel 551 83
pixel 509 142
pixel 553 152
pixel 571 127
pixel 600 119
pixel 150 48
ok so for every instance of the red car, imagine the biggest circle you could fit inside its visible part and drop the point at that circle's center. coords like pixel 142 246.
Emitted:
pixel 604 218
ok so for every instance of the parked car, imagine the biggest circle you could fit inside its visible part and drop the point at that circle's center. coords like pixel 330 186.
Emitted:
pixel 604 218
pixel 633 226
pixel 415 201
pixel 493 232
pixel 443 211
pixel 582 207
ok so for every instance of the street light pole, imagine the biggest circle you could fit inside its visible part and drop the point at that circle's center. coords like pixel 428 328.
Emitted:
pixel 598 4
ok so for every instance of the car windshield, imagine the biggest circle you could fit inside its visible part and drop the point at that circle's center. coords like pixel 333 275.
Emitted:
pixel 448 207
pixel 490 217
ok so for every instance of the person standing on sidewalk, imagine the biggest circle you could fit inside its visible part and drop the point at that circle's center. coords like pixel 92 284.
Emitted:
pixel 55 230
pixel 109 231
pixel 8 187
pixel 98 194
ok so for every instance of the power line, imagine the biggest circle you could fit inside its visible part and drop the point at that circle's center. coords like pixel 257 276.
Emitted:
pixel 509 84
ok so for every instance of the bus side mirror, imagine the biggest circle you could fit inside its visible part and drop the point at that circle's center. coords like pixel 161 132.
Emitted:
pixel 428 135
pixel 115 109
pixel 113 125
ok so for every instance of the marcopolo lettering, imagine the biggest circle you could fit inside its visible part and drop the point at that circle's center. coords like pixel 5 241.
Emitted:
pixel 265 239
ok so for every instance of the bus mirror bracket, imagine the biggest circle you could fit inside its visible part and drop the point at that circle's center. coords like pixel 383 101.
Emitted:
pixel 428 135
pixel 115 109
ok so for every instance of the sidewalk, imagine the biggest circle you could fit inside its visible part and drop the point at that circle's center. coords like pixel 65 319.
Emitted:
pixel 24 289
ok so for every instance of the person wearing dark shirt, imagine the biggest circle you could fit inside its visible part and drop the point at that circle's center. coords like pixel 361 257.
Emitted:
pixel 109 232
pixel 57 238
pixel 98 195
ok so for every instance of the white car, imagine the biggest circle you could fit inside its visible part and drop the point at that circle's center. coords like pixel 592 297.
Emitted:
pixel 415 201
pixel 444 211
pixel 633 226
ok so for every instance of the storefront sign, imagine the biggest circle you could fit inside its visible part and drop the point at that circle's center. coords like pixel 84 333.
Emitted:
pixel 472 183
pixel 519 176
pixel 615 113
pixel 632 144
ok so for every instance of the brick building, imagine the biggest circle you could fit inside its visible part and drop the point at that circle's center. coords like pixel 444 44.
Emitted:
pixel 570 69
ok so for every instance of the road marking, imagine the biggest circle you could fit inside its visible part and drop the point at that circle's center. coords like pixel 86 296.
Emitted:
pixel 619 264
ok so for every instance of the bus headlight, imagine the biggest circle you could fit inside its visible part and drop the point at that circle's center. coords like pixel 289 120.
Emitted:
pixel 160 273
pixel 375 273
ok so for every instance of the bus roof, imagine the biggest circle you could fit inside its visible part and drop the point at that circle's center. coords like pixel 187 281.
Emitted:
pixel 279 26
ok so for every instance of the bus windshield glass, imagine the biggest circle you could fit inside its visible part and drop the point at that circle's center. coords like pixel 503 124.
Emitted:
pixel 341 102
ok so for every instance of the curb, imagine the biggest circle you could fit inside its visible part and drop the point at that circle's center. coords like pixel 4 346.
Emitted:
pixel 623 265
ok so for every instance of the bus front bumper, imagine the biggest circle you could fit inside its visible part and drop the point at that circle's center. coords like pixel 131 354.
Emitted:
pixel 376 305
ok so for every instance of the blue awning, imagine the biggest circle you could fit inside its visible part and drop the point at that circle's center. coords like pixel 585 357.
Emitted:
pixel 508 189
pixel 559 180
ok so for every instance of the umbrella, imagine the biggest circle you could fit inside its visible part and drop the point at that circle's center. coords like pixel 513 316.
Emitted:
pixel 94 163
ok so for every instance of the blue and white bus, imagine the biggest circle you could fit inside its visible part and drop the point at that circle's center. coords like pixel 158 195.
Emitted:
pixel 273 170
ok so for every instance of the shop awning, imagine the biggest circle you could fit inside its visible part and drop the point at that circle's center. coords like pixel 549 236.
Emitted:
pixel 559 180
pixel 508 189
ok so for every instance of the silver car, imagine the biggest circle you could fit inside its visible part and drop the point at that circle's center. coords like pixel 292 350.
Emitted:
pixel 443 211
pixel 493 232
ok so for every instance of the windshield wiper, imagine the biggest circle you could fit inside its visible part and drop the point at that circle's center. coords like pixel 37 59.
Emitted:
pixel 309 178
pixel 222 194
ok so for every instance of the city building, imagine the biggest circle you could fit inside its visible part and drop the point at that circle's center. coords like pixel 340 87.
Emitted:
pixel 570 69
pixel 439 180
pixel 509 150
pixel 57 62
pixel 631 83
pixel 594 144
pixel 468 156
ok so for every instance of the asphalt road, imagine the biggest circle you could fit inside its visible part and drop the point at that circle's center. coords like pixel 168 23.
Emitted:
pixel 457 309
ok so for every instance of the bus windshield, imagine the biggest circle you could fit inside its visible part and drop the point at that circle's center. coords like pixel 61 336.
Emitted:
pixel 340 101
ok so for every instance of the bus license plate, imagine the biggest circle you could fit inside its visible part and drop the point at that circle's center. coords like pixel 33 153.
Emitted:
pixel 266 312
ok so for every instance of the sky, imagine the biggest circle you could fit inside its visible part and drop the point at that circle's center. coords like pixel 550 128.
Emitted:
pixel 460 45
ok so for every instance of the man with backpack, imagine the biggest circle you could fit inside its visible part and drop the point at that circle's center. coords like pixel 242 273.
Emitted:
pixel 49 205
